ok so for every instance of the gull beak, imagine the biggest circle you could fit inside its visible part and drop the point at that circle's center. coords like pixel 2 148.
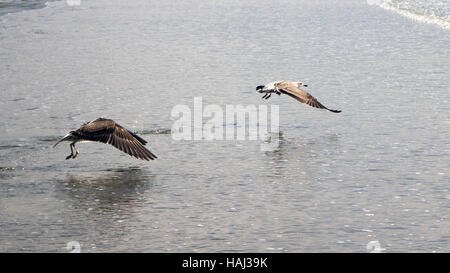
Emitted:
pixel 62 139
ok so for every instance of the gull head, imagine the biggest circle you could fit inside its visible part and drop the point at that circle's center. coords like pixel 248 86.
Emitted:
pixel 260 88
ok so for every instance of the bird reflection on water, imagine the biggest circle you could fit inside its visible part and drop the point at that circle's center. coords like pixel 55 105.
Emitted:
pixel 103 205
pixel 300 152
pixel 108 189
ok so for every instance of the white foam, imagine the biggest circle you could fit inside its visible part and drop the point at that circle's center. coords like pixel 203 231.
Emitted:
pixel 402 8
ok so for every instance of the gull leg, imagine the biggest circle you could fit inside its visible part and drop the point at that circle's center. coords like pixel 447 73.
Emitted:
pixel 71 151
pixel 76 151
pixel 265 95
pixel 269 94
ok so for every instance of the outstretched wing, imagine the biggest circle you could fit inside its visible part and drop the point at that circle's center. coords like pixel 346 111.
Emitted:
pixel 109 132
pixel 292 90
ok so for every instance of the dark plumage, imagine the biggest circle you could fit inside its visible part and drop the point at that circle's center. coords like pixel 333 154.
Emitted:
pixel 109 132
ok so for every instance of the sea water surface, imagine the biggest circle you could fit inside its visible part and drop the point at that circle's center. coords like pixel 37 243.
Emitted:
pixel 377 172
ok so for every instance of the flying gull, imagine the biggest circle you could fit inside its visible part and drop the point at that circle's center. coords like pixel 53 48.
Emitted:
pixel 109 132
pixel 292 89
